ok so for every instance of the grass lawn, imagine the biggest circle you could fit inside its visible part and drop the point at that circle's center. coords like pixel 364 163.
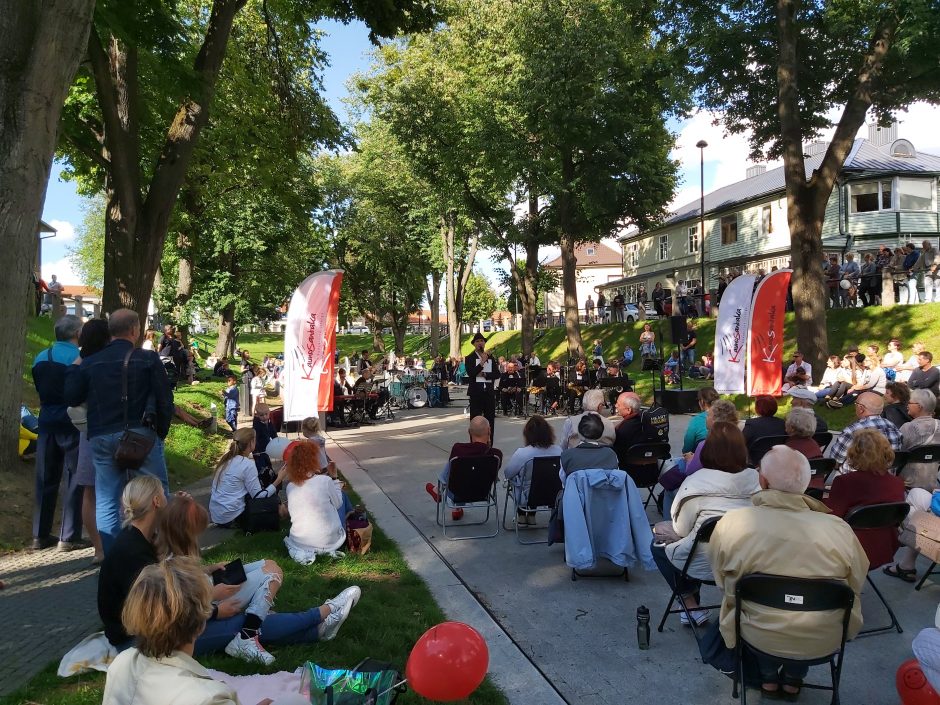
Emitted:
pixel 395 609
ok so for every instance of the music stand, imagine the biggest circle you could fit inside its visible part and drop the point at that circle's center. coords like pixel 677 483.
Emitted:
pixel 654 365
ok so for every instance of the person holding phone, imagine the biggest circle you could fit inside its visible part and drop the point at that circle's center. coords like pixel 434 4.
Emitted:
pixel 316 505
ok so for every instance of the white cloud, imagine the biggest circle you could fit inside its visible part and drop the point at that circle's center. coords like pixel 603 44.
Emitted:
pixel 62 268
pixel 65 230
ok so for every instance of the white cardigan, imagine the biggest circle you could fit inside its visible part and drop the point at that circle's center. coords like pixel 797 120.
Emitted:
pixel 135 679
pixel 314 514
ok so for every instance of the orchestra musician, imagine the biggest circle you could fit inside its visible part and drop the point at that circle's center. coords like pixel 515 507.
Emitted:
pixel 595 374
pixel 366 400
pixel 577 383
pixel 483 372
pixel 364 362
pixel 548 384
pixel 511 385
pixel 341 388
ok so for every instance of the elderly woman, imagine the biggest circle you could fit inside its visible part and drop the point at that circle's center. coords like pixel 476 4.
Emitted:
pixel 922 430
pixel 801 426
pixel 872 483
pixel 765 423
pixel 724 483
pixel 539 442
pixel 166 610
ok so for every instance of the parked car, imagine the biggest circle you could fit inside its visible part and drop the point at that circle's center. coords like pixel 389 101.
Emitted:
pixel 632 313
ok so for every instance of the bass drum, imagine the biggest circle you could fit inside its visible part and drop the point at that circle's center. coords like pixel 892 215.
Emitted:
pixel 417 398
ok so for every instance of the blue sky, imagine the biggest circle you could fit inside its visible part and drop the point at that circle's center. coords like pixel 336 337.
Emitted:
pixel 348 48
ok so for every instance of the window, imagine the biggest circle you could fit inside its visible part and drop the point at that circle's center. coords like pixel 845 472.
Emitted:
pixel 590 251
pixel 663 247
pixel 633 254
pixel 870 196
pixel 693 240
pixel 766 221
pixel 915 195
pixel 729 229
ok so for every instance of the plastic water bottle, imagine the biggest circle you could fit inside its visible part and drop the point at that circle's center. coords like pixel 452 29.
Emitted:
pixel 643 627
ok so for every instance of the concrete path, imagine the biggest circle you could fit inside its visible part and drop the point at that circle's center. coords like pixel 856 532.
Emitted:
pixel 582 635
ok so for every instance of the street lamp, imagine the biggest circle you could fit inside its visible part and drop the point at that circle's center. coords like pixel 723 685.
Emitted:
pixel 702 144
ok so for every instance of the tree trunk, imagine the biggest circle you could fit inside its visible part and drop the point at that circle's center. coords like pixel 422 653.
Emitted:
pixel 41 47
pixel 453 321
pixel 137 225
pixel 378 342
pixel 186 244
pixel 529 298
pixel 225 345
pixel 569 278
pixel 809 289
pixel 434 302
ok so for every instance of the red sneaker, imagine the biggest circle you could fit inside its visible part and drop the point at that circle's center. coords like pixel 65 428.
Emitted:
pixel 457 514
pixel 431 490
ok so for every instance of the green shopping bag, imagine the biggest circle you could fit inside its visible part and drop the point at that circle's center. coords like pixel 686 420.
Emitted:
pixel 371 682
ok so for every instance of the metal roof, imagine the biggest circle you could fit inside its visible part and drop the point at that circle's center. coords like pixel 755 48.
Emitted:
pixel 864 157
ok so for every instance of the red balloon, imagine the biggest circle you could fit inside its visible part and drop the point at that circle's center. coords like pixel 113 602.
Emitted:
pixel 913 686
pixel 448 662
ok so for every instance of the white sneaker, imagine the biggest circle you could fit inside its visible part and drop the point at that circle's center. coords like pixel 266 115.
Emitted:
pixel 350 594
pixel 249 650
pixel 698 616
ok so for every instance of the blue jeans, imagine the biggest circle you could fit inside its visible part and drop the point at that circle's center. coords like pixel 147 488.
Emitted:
pixel 688 359
pixel 672 574
pixel 769 666
pixel 110 480
pixel 277 628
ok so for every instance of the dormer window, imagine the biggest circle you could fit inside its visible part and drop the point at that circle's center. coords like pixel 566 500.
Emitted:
pixel 903 149
pixel 590 251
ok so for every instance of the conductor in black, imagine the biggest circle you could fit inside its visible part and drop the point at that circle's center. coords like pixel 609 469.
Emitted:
pixel 483 371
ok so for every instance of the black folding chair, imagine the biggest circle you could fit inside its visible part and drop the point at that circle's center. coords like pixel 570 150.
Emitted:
pixel 793 595
pixel 887 515
pixel 759 447
pixel 541 477
pixel 823 438
pixel 643 462
pixel 819 469
pixel 471 485
pixel 703 535
pixel 922 454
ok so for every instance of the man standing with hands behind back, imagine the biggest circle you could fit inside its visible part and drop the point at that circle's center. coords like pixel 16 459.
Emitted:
pixel 483 372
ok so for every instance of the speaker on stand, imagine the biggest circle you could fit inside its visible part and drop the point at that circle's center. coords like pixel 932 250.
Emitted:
pixel 679 328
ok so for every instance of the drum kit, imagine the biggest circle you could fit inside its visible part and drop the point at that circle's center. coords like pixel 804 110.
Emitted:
pixel 414 390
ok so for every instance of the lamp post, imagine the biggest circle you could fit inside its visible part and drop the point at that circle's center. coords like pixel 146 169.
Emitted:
pixel 702 144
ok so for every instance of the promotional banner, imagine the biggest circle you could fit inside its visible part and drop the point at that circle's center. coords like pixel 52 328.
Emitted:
pixel 734 318
pixel 765 342
pixel 309 345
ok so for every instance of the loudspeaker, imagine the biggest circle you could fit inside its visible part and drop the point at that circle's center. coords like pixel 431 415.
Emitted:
pixel 677 401
pixel 679 328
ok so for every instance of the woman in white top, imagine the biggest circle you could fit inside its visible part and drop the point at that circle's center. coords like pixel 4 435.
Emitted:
pixel 236 476
pixel 314 498
pixel 872 379
pixel 647 342
pixel 539 442
pixel 894 357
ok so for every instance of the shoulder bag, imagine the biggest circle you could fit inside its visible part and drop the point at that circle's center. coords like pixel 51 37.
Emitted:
pixel 133 448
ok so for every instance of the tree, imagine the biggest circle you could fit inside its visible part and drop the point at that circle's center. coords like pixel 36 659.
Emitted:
pixel 42 45
pixel 545 280
pixel 778 70
pixel 87 254
pixel 139 110
pixel 479 300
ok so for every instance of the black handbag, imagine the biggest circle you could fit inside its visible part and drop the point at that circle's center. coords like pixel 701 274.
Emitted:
pixel 261 514
pixel 133 448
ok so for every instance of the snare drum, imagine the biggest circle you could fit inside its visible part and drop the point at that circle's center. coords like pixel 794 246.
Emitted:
pixel 417 397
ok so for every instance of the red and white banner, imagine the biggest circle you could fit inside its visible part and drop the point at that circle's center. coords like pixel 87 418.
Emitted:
pixel 765 342
pixel 309 345
pixel 734 319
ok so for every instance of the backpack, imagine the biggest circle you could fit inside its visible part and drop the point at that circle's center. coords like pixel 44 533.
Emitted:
pixel 655 424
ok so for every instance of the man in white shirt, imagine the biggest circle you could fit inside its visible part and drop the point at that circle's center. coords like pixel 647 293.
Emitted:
pixel 483 372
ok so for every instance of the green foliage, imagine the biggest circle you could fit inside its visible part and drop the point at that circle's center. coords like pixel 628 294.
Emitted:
pixel 545 280
pixel 479 299
pixel 87 254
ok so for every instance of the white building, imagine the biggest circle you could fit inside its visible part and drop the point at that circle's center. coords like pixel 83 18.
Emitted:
pixel 598 264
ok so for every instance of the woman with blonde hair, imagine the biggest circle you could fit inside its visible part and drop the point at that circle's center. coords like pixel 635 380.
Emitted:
pixel 142 502
pixel 236 477
pixel 166 610
pixel 314 501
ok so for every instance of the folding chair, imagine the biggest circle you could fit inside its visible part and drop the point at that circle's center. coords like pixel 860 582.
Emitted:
pixel 823 438
pixel 471 485
pixel 759 447
pixel 541 477
pixel 922 454
pixel 887 515
pixel 643 462
pixel 703 535
pixel 819 469
pixel 793 595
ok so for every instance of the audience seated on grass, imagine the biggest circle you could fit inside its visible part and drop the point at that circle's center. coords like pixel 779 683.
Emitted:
pixel 871 483
pixel 593 403
pixel 166 611
pixel 479 432
pixel 724 483
pixel 830 378
pixel 236 476
pixel 893 359
pixel 906 369
pixel 242 623
pixel 591 452
pixel 800 425
pixel 539 443
pixel 696 431
pixel 926 376
pixel 897 396
pixel 785 533
pixel 765 423
pixel 922 430
pixel 868 408
pixel 316 504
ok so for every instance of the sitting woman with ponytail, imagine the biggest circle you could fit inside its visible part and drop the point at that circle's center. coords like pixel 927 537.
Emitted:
pixel 241 622
pixel 236 477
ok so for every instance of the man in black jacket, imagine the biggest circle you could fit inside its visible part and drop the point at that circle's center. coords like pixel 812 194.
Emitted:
pixel 483 372
pixel 148 410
